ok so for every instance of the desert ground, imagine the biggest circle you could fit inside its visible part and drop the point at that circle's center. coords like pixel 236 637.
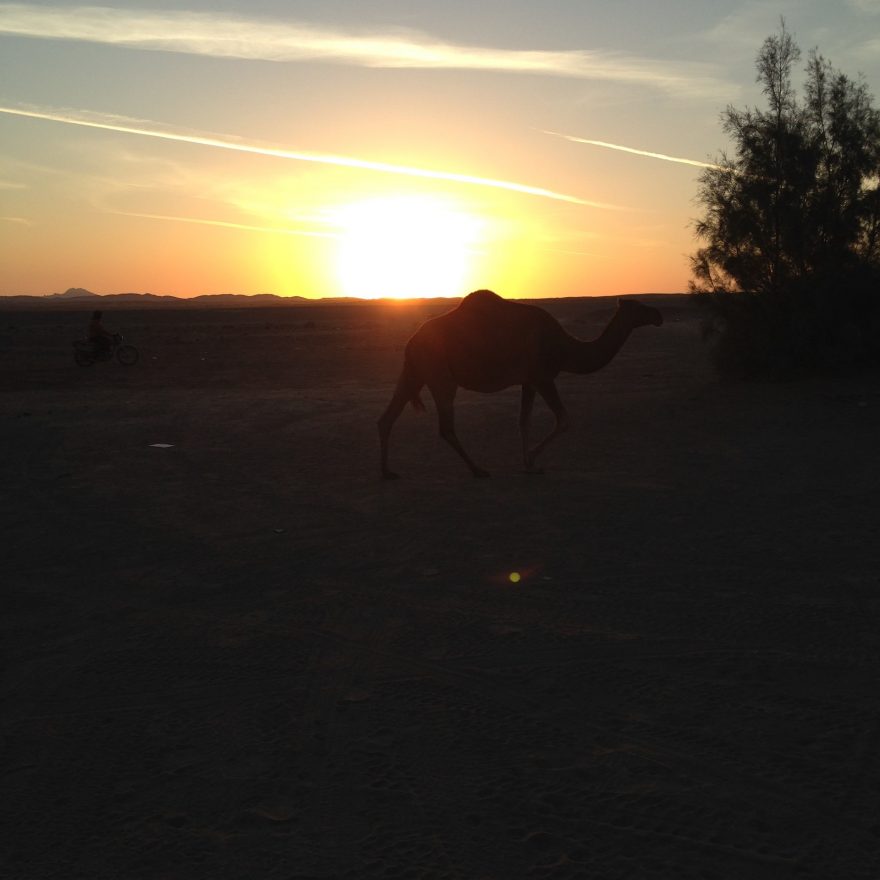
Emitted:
pixel 246 656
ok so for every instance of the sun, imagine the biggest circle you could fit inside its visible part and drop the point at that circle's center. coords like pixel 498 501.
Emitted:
pixel 405 246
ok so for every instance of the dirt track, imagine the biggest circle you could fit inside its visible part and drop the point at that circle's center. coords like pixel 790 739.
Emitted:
pixel 245 656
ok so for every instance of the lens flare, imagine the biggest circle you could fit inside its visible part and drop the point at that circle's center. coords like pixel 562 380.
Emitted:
pixel 405 246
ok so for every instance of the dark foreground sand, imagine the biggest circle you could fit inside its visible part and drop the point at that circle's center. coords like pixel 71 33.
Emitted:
pixel 247 657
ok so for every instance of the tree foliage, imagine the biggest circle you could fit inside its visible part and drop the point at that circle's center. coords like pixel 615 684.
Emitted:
pixel 790 260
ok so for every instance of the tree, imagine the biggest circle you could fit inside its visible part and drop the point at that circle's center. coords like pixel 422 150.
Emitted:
pixel 791 230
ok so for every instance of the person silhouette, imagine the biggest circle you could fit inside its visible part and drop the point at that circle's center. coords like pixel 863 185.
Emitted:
pixel 100 337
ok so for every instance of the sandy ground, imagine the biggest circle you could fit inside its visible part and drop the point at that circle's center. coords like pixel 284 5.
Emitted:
pixel 245 656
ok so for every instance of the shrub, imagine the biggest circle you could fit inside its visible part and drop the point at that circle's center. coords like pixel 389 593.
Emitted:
pixel 790 266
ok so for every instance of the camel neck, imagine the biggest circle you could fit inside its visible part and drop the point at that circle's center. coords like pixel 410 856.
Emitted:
pixel 588 356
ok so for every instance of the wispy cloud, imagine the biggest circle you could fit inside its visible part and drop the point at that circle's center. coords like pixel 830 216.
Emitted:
pixel 153 130
pixel 21 221
pixel 11 184
pixel 226 36
pixel 741 32
pixel 871 7
pixel 745 27
pixel 647 153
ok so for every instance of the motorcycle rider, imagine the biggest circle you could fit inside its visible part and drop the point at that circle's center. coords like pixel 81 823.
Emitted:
pixel 100 337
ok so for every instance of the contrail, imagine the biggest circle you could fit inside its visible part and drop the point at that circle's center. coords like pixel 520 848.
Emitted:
pixel 226 224
pixel 321 158
pixel 635 152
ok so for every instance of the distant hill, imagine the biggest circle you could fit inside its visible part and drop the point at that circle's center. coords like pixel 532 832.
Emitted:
pixel 80 298
pixel 212 298
pixel 82 293
pixel 73 293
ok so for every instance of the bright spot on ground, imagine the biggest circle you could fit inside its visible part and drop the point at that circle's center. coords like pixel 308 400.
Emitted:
pixel 515 577
pixel 405 246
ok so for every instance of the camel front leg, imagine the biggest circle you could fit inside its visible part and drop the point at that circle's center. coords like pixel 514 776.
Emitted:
pixel 551 397
pixel 444 398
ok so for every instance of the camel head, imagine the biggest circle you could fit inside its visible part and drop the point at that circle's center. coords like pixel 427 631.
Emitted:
pixel 638 314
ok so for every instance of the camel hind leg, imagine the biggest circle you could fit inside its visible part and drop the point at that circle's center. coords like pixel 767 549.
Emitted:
pixel 407 391
pixel 525 421
pixel 550 395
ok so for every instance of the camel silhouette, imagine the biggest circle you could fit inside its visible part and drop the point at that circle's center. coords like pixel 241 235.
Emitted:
pixel 487 344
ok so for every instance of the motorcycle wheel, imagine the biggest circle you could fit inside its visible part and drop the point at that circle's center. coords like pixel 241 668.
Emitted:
pixel 127 355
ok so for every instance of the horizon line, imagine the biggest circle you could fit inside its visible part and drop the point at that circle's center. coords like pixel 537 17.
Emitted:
pixel 88 295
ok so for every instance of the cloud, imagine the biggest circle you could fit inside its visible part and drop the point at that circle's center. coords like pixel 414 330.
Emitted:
pixel 154 130
pixel 222 36
pixel 747 26
pixel 21 221
pixel 870 7
pixel 742 32
pixel 635 152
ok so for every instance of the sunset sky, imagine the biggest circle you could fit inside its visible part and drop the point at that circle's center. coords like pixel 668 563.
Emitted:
pixel 337 147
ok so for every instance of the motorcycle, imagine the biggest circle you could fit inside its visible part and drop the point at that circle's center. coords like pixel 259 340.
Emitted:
pixel 86 352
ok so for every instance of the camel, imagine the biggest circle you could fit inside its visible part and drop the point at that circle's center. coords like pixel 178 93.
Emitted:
pixel 487 344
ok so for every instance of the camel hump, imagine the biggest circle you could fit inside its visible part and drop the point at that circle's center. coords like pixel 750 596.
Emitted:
pixel 481 299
